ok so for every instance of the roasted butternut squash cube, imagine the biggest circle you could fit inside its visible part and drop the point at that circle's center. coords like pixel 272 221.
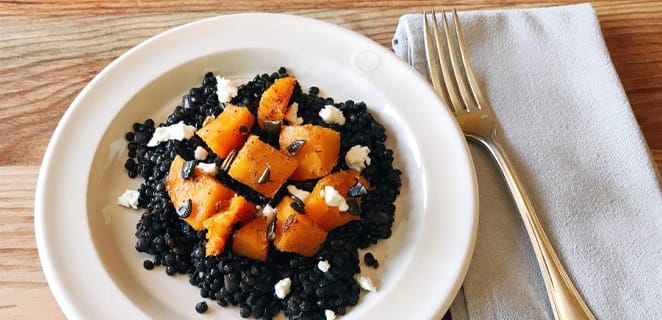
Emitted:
pixel 295 232
pixel 251 239
pixel 228 131
pixel 206 193
pixel 274 101
pixel 330 217
pixel 316 149
pixel 219 226
pixel 262 167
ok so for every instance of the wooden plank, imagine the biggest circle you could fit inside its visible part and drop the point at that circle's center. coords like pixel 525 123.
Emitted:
pixel 24 293
pixel 47 60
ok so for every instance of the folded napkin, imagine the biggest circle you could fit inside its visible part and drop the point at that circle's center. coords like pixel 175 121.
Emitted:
pixel 568 127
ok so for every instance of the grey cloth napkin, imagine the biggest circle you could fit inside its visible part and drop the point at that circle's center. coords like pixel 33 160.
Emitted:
pixel 568 127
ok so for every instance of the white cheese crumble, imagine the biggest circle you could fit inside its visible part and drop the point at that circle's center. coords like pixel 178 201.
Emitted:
pixel 323 265
pixel 282 288
pixel 291 114
pixel 208 168
pixel 333 198
pixel 269 212
pixel 329 314
pixel 129 199
pixel 200 153
pixel 332 115
pixel 366 283
pixel 225 89
pixel 301 194
pixel 178 131
pixel 357 157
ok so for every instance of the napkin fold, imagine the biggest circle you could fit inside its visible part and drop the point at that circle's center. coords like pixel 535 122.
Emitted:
pixel 567 125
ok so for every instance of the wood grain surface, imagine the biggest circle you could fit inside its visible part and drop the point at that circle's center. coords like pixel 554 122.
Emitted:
pixel 49 50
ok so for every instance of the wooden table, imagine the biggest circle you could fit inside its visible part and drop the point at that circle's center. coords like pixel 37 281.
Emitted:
pixel 49 50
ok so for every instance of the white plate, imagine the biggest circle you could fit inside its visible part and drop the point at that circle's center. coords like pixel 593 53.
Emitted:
pixel 86 241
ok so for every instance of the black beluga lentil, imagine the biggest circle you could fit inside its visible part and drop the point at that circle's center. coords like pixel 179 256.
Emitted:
pixel 230 279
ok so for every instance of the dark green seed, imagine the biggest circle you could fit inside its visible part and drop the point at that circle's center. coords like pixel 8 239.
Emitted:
pixel 265 176
pixel 357 190
pixel 271 232
pixel 225 166
pixel 297 204
pixel 187 168
pixel 294 147
pixel 272 127
pixel 354 207
pixel 185 210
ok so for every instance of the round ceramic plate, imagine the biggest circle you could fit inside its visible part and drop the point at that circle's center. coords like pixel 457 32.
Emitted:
pixel 86 241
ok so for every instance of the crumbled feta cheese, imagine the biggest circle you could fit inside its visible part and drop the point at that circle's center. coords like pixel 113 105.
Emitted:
pixel 282 288
pixel 225 89
pixel 329 314
pixel 357 157
pixel 366 283
pixel 208 168
pixel 333 198
pixel 331 115
pixel 291 114
pixel 178 131
pixel 301 194
pixel 129 199
pixel 323 265
pixel 200 153
pixel 207 120
pixel 269 212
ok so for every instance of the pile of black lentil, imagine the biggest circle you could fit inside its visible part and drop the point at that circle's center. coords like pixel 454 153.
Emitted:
pixel 230 279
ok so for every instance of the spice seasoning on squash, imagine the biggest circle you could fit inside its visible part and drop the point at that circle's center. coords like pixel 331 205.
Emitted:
pixel 274 101
pixel 205 193
pixel 330 217
pixel 315 148
pixel 295 232
pixel 228 131
pixel 251 239
pixel 250 164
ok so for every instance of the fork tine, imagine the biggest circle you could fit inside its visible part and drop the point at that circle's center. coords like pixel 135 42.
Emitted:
pixel 471 77
pixel 442 53
pixel 458 71
pixel 433 63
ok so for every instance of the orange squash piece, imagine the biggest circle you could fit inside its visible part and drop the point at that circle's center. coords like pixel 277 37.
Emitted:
pixel 318 154
pixel 252 161
pixel 206 193
pixel 251 240
pixel 228 131
pixel 274 101
pixel 219 226
pixel 326 216
pixel 296 232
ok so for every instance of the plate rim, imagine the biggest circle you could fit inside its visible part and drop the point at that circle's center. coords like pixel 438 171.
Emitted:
pixel 63 298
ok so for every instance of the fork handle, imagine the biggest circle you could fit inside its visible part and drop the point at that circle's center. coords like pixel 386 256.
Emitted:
pixel 565 301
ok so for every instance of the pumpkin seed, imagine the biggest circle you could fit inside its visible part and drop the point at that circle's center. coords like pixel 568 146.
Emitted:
pixel 294 147
pixel 271 231
pixel 265 176
pixel 354 207
pixel 225 166
pixel 357 190
pixel 185 210
pixel 272 127
pixel 187 168
pixel 297 204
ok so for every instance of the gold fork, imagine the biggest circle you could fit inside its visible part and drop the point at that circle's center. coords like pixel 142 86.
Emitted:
pixel 457 86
